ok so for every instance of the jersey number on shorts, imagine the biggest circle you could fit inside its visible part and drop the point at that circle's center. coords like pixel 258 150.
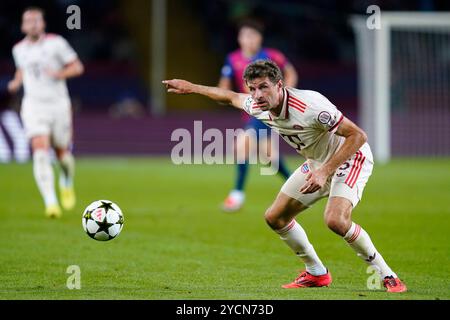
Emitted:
pixel 342 169
pixel 293 140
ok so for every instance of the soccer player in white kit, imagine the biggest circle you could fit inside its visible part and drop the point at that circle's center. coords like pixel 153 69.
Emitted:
pixel 338 165
pixel 43 63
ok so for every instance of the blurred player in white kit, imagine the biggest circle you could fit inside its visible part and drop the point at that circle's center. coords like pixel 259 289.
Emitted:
pixel 43 63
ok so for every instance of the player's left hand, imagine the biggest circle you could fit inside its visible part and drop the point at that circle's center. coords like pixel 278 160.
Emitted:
pixel 13 86
pixel 315 180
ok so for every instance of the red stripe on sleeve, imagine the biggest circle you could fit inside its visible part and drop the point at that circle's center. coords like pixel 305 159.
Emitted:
pixel 297 104
pixel 337 123
pixel 298 101
pixel 296 108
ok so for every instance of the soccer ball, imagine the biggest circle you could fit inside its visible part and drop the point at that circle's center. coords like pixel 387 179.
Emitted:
pixel 102 220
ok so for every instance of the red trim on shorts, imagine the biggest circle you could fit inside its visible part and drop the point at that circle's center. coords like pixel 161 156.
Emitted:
pixel 356 169
pixel 350 175
pixel 352 183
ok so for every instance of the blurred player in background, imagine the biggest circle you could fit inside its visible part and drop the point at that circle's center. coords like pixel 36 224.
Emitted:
pixel 250 39
pixel 339 164
pixel 43 63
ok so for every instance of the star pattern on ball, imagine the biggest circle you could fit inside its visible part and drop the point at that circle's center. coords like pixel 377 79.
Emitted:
pixel 111 217
pixel 106 205
pixel 87 215
pixel 104 226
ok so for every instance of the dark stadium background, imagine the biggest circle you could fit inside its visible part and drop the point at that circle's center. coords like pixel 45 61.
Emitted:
pixel 111 100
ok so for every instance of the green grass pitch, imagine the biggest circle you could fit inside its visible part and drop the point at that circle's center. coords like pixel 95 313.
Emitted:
pixel 177 244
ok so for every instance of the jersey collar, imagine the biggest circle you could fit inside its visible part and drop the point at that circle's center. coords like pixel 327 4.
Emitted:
pixel 284 114
pixel 38 41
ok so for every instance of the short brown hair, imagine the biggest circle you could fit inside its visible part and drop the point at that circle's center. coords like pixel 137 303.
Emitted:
pixel 252 24
pixel 34 8
pixel 262 69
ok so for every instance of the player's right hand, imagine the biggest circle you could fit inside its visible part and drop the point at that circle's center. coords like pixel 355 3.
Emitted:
pixel 13 86
pixel 178 86
pixel 315 180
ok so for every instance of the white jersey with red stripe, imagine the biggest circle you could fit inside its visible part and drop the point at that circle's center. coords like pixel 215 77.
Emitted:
pixel 307 122
pixel 50 53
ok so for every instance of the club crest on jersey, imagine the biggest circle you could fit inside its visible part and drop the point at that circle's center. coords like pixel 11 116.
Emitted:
pixel 305 168
pixel 324 117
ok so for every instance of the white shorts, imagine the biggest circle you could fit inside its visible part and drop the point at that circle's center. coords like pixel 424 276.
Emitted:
pixel 52 119
pixel 347 182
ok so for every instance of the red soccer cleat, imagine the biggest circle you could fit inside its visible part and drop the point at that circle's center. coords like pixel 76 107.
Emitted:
pixel 394 284
pixel 305 279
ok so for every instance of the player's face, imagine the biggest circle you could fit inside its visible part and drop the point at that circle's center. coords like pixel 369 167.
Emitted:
pixel 265 93
pixel 33 24
pixel 250 40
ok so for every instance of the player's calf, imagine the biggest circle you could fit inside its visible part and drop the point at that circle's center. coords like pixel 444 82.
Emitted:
pixel 275 220
pixel 43 174
pixel 280 217
pixel 283 210
pixel 338 219
pixel 66 189
pixel 338 215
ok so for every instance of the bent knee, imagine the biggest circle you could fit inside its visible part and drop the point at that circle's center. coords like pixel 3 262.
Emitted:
pixel 40 143
pixel 60 153
pixel 275 219
pixel 338 224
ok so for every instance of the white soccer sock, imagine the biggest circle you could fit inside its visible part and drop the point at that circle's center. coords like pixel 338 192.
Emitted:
pixel 295 237
pixel 43 174
pixel 360 241
pixel 67 164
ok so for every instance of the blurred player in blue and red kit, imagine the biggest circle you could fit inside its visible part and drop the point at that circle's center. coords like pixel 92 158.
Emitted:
pixel 250 39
